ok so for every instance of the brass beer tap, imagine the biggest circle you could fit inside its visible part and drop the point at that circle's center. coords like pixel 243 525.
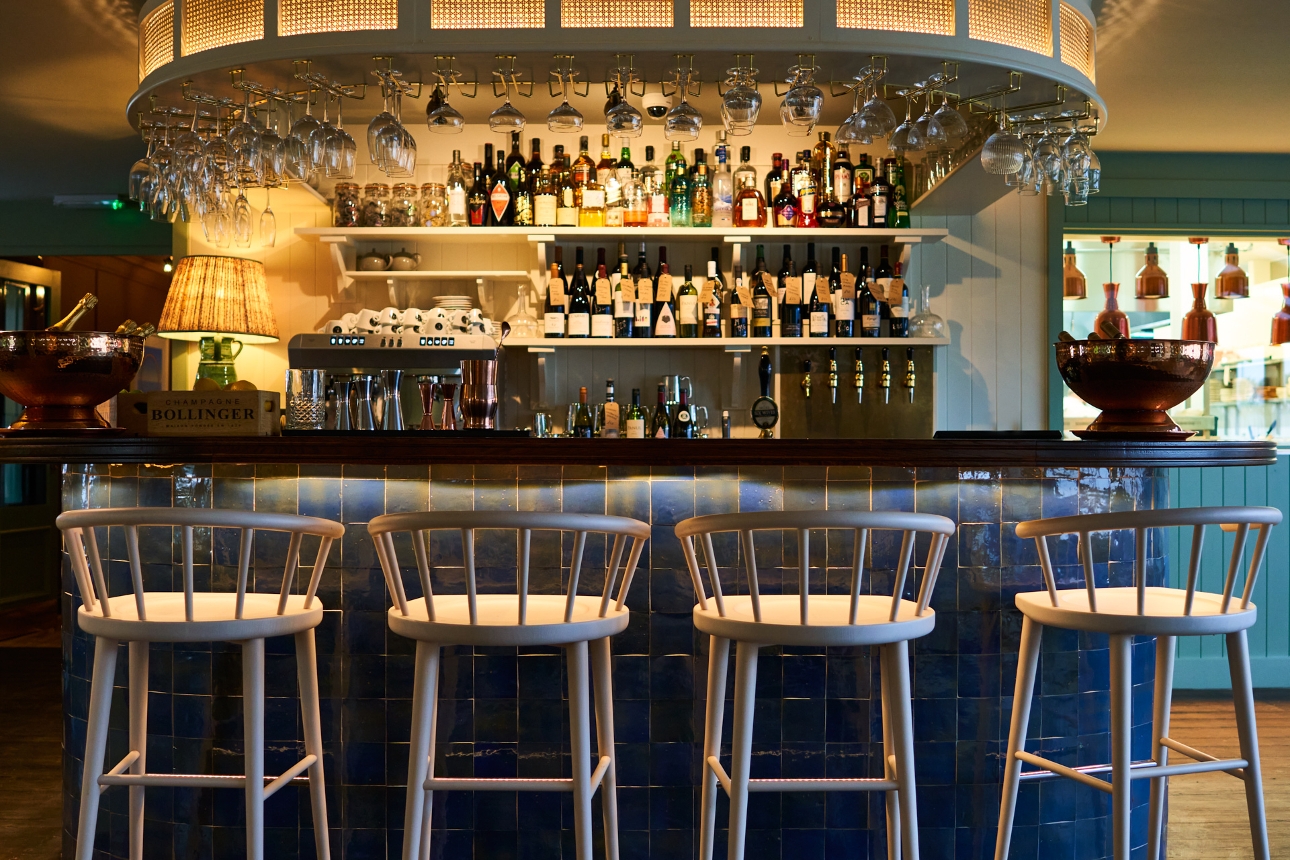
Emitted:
pixel 910 375
pixel 833 374
pixel 806 379
pixel 884 376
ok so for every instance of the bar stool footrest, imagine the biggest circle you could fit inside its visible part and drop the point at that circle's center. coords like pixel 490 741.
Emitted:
pixel 1237 768
pixel 202 780
pixel 758 785
pixel 480 783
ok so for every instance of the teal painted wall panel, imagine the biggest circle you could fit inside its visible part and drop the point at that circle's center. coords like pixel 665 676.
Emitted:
pixel 1166 210
pixel 1255 211
pixel 1202 660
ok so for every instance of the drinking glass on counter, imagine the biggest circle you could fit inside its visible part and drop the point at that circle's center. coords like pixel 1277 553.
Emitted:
pixel 306 399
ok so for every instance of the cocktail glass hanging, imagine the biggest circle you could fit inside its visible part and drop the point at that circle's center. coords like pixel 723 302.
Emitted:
pixel 379 125
pixel 564 118
pixel 1048 152
pixel 683 121
pixel 800 109
pixel 268 223
pixel 852 130
pixel 339 150
pixel 442 117
pixel 877 116
pixel 242 220
pixel 741 102
pixel 244 137
pixel 1004 151
pixel 142 173
pixel 952 122
pixel 906 137
pixel 929 127
pixel 300 152
pixel 622 119
pixel 507 118
pixel 273 152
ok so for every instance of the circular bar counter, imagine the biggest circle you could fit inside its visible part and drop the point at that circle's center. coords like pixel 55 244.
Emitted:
pixel 502 713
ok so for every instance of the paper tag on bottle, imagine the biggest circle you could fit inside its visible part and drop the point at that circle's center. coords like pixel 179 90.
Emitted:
pixel 664 288
pixel 793 290
pixel 556 287
pixel 611 418
pixel 705 291
pixel 745 294
pixel 808 287
pixel 604 291
pixel 848 286
pixel 644 291
pixel 768 281
pixel 895 290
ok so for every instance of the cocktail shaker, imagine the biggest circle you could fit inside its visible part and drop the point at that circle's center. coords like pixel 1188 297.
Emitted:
pixel 392 402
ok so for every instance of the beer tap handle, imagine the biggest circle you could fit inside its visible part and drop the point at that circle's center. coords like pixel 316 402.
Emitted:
pixel 858 381
pixel 763 372
pixel 910 375
pixel 806 379
pixel 833 374
pixel 884 376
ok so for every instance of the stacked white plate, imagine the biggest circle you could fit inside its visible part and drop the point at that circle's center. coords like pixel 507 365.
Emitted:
pixel 453 303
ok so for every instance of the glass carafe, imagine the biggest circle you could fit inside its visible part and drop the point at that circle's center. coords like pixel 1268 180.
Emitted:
pixel 925 323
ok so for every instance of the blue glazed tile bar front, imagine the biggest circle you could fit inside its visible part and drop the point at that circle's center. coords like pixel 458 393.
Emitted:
pixel 502 712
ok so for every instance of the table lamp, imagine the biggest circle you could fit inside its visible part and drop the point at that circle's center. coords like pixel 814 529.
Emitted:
pixel 212 299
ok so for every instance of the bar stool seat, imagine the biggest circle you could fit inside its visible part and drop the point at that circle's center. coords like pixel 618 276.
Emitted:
pixel 544 622
pixel 1117 612
pixel 215 617
pixel 829 623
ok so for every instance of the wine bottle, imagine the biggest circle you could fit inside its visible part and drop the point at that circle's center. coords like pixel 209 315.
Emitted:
pixel 738 310
pixel 534 166
pixel 566 213
pixel 900 310
pixel 501 202
pixel 624 310
pixel 821 303
pixel 870 315
pixel 790 308
pixel 553 317
pixel 687 306
pixel 761 298
pixel 809 275
pixel 579 321
pixel 683 423
pixel 457 192
pixel 608 414
pixel 661 423
pixel 644 279
pixel 844 308
pixel 636 420
pixel 582 425
pixel 602 304
pixel 545 194
pixel 880 199
pixel 715 290
pixel 85 305
pixel 664 301
pixel 774 178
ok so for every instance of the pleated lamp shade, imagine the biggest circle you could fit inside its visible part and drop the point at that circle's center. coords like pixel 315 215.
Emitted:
pixel 213 296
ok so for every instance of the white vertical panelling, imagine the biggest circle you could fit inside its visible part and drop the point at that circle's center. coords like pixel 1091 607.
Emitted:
pixel 1035 349
pixel 1007 313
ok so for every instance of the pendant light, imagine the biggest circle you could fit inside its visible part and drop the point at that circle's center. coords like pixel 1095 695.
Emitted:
pixel 1074 284
pixel 1199 323
pixel 1281 319
pixel 1231 282
pixel 1111 313
pixel 1152 282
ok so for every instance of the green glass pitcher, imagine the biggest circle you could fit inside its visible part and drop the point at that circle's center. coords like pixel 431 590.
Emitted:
pixel 217 357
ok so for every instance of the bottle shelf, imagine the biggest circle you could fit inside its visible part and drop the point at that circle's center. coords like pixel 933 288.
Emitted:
pixel 729 344
pixel 442 274
pixel 535 235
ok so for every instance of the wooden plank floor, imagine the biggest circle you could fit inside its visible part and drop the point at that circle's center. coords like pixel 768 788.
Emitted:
pixel 31 751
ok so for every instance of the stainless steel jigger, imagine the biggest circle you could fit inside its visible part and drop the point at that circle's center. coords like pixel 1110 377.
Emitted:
pixel 364 388
pixel 392 410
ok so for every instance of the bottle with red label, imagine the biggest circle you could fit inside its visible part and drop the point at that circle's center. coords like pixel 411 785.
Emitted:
pixel 501 199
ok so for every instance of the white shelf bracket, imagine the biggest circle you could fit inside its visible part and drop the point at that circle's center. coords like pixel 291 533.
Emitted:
pixel 344 283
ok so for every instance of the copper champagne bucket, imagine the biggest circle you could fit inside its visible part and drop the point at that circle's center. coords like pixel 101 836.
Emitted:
pixel 59 377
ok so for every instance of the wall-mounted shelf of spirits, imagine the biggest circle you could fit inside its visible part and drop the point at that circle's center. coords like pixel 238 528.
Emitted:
pixel 538 235
pixel 442 274
pixel 728 344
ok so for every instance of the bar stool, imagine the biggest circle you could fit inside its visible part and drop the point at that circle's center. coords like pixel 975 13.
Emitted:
pixel 1165 613
pixel 570 620
pixel 754 620
pixel 144 616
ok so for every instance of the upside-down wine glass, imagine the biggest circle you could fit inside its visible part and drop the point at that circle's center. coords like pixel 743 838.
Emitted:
pixel 564 118
pixel 800 109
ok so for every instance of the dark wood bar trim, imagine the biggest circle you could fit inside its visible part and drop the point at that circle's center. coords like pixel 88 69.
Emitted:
pixel 426 449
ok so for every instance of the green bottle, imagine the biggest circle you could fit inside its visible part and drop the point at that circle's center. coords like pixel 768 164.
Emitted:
pixel 678 201
pixel 674 165
pixel 635 421
pixel 687 306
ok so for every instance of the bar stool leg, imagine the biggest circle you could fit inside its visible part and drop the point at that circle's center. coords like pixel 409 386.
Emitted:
pixel 253 742
pixel 889 754
pixel 138 740
pixel 417 808
pixel 580 738
pixel 715 711
pixel 307 674
pixel 1159 752
pixel 1121 741
pixel 741 745
pixel 95 743
pixel 902 724
pixel 604 702
pixel 1027 666
pixel 1238 661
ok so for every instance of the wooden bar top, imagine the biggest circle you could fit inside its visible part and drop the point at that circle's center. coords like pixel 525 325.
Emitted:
pixel 419 448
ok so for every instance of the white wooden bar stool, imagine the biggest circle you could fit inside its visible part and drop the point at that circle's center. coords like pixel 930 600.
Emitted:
pixel 1123 613
pixel 570 620
pixel 142 617
pixel 754 620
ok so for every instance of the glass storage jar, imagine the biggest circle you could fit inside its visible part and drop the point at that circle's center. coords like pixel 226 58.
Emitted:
pixel 345 208
pixel 434 205
pixel 405 205
pixel 376 205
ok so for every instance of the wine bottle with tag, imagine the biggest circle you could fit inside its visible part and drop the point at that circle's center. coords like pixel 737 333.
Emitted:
pixel 664 301
pixel 687 306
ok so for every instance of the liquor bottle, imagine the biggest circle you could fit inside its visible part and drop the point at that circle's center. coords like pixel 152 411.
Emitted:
pixel 578 323
pixel 807 198
pixel 608 415
pixel 899 325
pixel 683 426
pixel 534 166
pixel 687 306
pixel 544 199
pixel 566 213
pixel 515 167
pixel 582 424
pixel 790 312
pixel 678 201
pixel 456 190
pixel 591 206
pixel 785 206
pixel 602 313
pixel 870 314
pixel 701 198
pixel 842 177
pixel 624 168
pixel 558 164
pixel 501 203
pixel 523 205
pixel 488 168
pixel 624 311
pixel 605 168
pixel 643 325
pixel 861 208
pixel 809 275
pixel 672 167
pixel 745 173
pixel 879 199
pixel 559 265
pixel 584 168
pixel 723 188
pixel 761 298
pixel 477 200
pixel 711 309
pixel 738 310
pixel 553 318
pixel 823 158
pixel 664 301
pixel 774 178
pixel 635 421
pixel 898 216
pixel 750 207
pixel 660 425
pixel 652 180
pixel 844 309
pixel 84 306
